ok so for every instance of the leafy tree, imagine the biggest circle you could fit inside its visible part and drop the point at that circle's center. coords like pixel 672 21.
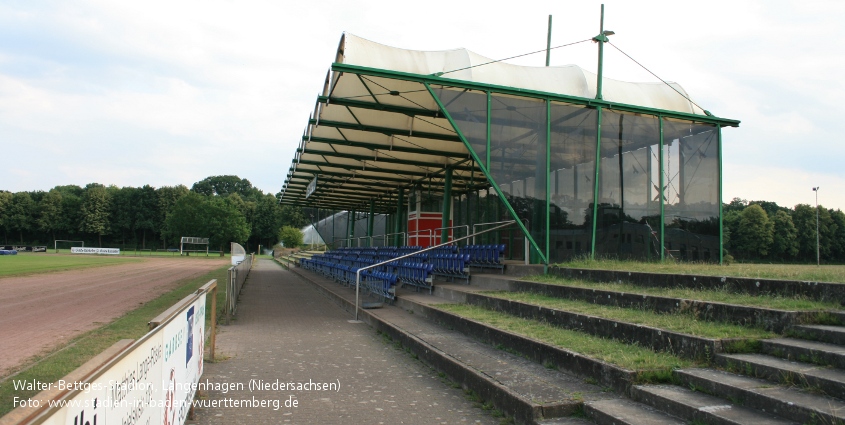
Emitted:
pixel 754 235
pixel 838 243
pixel 293 216
pixel 214 218
pixel 225 223
pixel 185 218
pixel 147 212
pixel 50 212
pixel 167 198
pixel 20 213
pixel 5 201
pixel 736 204
pixel 225 186
pixel 268 219
pixel 785 236
pixel 770 208
pixel 731 226
pixel 123 211
pixel 804 218
pixel 95 211
pixel 290 236
pixel 71 218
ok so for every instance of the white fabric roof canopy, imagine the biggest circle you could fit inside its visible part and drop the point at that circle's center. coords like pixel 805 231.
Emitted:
pixel 372 134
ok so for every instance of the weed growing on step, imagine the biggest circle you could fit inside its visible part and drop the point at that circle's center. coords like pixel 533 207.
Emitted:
pixel 802 272
pixel 685 323
pixel 719 295
pixel 654 367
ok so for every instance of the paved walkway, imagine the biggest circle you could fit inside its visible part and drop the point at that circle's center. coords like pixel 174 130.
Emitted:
pixel 287 331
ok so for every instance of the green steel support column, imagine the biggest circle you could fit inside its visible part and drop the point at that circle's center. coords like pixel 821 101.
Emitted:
pixel 487 152
pixel 596 181
pixel 661 189
pixel 351 228
pixel 490 179
pixel 721 224
pixel 600 39
pixel 371 222
pixel 447 205
pixel 548 168
pixel 397 226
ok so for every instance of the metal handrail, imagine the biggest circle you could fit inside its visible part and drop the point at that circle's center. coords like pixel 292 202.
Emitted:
pixel 342 239
pixel 364 237
pixel 358 273
pixel 447 228
pixel 417 232
pixel 404 240
pixel 524 220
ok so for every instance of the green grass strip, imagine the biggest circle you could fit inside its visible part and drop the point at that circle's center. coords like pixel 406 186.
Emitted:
pixel 719 295
pixel 679 322
pixel 800 272
pixel 52 367
pixel 627 356
pixel 26 264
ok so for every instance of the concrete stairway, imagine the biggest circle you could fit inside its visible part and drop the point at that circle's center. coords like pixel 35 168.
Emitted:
pixel 791 380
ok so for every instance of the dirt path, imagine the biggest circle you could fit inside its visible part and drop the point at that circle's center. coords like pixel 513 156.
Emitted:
pixel 41 312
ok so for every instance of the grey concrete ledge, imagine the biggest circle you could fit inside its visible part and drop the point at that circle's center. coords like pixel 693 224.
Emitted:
pixel 769 319
pixel 679 344
pixel 605 374
pixel 523 411
pixel 823 291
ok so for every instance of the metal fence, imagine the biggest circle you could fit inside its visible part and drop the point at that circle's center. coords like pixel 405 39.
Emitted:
pixel 236 277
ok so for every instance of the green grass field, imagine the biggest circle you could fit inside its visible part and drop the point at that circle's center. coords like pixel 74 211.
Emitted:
pixel 133 325
pixel 149 253
pixel 25 264
pixel 802 272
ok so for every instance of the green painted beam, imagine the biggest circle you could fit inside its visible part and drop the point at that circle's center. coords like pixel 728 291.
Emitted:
pixel 431 79
pixel 411 112
pixel 383 159
pixel 378 146
pixel 369 168
pixel 386 130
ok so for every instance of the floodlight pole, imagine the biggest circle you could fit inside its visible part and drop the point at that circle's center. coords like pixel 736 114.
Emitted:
pixel 549 42
pixel 818 257
pixel 601 39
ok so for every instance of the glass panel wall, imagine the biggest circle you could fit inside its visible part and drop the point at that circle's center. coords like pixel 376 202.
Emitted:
pixel 518 159
pixel 468 109
pixel 628 220
pixel 629 207
pixel 691 167
pixel 573 171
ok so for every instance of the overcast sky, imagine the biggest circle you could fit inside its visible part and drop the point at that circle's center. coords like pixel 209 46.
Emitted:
pixel 170 92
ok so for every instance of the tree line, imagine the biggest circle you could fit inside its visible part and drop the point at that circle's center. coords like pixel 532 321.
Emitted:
pixel 765 231
pixel 222 208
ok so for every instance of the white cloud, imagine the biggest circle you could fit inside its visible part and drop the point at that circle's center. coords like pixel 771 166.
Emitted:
pixel 171 92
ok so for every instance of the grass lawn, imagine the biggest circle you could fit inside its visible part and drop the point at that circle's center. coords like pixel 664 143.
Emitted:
pixel 801 272
pixel 149 253
pixel 711 295
pixel 680 322
pixel 33 263
pixel 132 325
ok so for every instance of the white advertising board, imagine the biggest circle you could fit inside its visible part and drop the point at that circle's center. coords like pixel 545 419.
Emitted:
pixel 154 384
pixel 91 250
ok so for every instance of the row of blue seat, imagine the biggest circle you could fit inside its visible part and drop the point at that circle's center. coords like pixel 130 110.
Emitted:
pixel 418 270
pixel 485 256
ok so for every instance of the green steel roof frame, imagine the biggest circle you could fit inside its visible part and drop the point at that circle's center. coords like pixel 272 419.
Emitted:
pixel 439 80
pixel 490 179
